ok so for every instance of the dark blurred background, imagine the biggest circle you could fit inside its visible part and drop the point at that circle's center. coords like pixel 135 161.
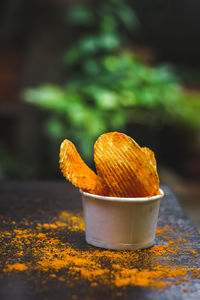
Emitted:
pixel 76 69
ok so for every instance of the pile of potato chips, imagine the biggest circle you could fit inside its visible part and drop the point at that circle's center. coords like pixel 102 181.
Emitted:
pixel 124 169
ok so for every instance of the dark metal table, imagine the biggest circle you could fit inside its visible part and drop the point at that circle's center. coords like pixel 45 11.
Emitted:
pixel 28 211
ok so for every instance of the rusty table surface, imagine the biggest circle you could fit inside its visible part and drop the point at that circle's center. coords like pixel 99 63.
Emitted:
pixel 24 205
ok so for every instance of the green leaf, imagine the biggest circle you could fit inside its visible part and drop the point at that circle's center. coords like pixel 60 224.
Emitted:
pixel 77 113
pixel 111 63
pixel 47 96
pixel 109 41
pixel 128 17
pixel 55 128
pixel 128 98
pixel 72 56
pixel 109 24
pixel 88 44
pixel 95 124
pixel 80 15
pixel 114 63
pixel 105 99
pixel 91 67
pixel 118 120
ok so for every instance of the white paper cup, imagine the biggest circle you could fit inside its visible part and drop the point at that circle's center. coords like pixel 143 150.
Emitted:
pixel 120 223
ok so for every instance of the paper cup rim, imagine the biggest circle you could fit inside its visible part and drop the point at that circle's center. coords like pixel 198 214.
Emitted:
pixel 118 199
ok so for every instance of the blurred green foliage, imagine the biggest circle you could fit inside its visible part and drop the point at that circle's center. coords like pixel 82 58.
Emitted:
pixel 107 87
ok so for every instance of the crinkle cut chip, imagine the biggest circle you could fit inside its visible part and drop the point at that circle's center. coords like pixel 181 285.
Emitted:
pixel 74 169
pixel 127 169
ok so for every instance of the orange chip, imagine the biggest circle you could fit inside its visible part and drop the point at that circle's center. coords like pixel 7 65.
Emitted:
pixel 150 157
pixel 127 169
pixel 101 187
pixel 74 168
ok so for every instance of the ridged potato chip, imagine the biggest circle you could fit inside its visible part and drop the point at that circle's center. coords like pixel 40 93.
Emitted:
pixel 74 169
pixel 127 169
pixel 150 157
pixel 101 187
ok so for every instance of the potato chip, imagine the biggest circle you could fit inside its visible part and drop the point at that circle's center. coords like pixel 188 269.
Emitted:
pixel 127 169
pixel 74 168
pixel 150 156
pixel 101 187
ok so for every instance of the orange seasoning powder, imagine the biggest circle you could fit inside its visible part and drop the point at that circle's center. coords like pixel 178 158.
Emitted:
pixel 53 251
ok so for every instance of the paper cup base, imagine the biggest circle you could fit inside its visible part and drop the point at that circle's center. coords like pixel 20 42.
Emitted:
pixel 119 246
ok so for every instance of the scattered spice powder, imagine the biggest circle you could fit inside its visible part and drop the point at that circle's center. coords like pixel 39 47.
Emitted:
pixel 193 252
pixel 55 252
pixel 15 267
pixel 164 229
